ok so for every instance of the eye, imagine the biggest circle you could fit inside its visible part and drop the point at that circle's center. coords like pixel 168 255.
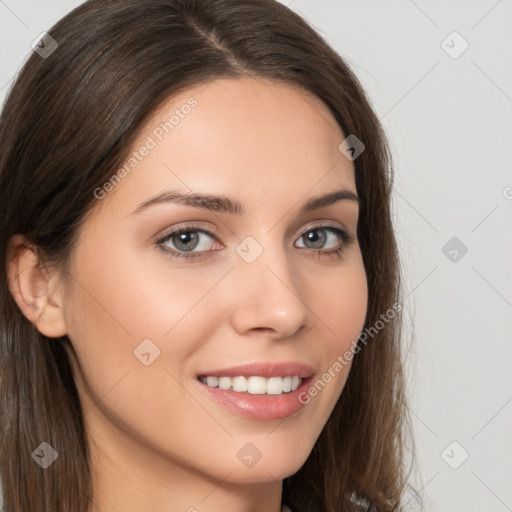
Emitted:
pixel 318 237
pixel 190 242
pixel 185 239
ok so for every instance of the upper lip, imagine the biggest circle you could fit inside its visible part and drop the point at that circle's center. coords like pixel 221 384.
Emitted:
pixel 263 369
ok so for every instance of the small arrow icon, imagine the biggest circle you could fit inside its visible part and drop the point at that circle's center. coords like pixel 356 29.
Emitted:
pixel 454 249
pixel 454 455
pixel 351 147
pixel 249 249
pixel 44 455
pixel 146 352
pixel 249 455
pixel 44 45
pixel 454 45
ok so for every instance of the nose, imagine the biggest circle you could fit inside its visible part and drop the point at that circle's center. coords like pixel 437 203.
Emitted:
pixel 269 296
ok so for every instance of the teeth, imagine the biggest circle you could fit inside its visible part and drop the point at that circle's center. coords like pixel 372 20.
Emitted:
pixel 239 384
pixel 275 386
pixel 212 381
pixel 224 382
pixel 255 385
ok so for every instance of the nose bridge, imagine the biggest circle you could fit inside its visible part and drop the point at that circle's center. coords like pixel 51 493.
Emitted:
pixel 269 293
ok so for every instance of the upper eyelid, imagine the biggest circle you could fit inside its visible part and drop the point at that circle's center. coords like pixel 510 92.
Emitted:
pixel 170 231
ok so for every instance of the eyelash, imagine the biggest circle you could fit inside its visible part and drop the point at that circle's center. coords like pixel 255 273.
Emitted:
pixel 335 253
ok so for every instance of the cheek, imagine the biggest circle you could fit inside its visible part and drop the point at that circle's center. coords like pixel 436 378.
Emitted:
pixel 343 305
pixel 342 308
pixel 117 308
pixel 133 322
pixel 123 296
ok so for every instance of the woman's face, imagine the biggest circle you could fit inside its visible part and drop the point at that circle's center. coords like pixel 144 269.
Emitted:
pixel 273 284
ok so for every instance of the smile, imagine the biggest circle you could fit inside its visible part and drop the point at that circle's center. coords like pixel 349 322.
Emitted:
pixel 255 384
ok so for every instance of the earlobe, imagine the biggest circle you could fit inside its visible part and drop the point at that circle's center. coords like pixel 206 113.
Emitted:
pixel 34 288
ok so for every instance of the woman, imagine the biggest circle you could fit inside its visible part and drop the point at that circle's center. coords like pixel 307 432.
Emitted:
pixel 200 281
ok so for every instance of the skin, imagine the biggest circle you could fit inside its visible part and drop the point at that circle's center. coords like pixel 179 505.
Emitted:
pixel 158 442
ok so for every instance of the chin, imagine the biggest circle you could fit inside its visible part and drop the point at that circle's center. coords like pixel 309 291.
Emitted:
pixel 272 469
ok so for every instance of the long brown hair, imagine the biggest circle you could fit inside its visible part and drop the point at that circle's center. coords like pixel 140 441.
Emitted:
pixel 68 122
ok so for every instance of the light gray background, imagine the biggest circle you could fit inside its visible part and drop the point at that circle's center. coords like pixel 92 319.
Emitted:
pixel 449 121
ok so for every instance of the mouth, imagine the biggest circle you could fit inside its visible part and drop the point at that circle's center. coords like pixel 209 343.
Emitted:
pixel 262 391
pixel 254 384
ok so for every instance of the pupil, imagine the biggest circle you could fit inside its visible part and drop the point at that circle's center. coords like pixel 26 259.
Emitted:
pixel 185 238
pixel 317 240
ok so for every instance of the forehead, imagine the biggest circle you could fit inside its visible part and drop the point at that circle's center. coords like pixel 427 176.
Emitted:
pixel 245 137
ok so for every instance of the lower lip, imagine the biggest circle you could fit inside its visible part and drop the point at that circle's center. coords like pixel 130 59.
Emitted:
pixel 259 407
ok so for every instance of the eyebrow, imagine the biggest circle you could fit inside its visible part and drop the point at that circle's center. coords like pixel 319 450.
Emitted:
pixel 223 204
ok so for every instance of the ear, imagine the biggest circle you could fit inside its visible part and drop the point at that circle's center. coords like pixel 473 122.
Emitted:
pixel 34 288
